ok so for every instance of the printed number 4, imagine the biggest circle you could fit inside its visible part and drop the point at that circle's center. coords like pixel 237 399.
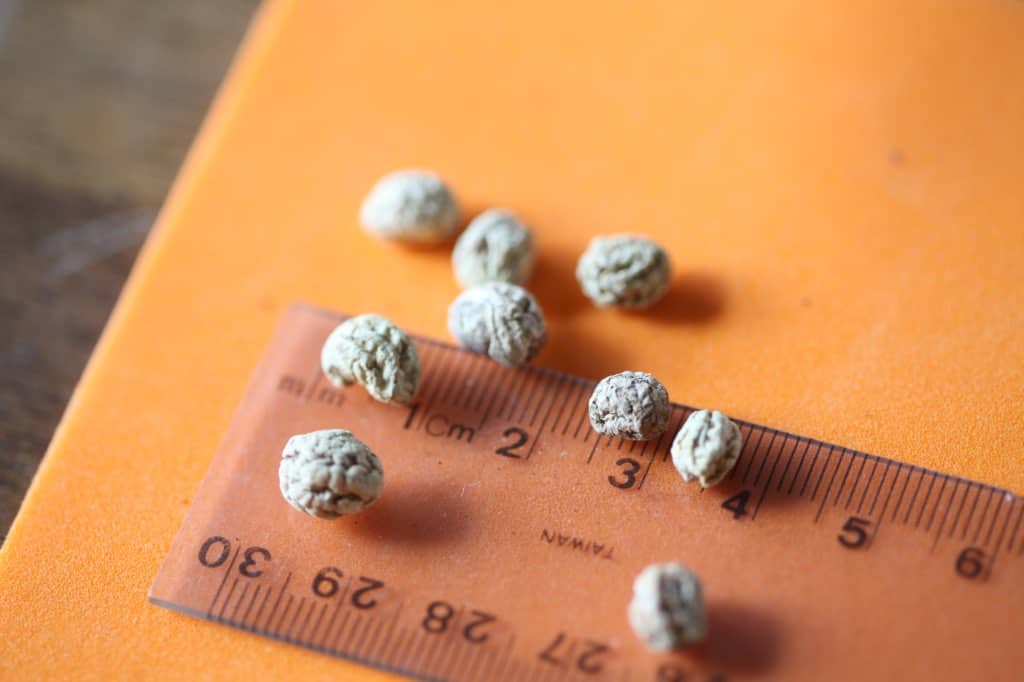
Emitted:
pixel 737 504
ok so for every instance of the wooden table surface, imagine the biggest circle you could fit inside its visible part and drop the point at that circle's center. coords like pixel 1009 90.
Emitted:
pixel 99 100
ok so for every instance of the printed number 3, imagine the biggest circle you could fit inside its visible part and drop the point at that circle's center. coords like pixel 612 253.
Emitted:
pixel 630 467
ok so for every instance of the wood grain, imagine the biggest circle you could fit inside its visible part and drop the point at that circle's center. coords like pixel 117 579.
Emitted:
pixel 100 100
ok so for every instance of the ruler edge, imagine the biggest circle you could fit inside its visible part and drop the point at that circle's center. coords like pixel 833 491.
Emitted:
pixel 340 317
pixel 372 663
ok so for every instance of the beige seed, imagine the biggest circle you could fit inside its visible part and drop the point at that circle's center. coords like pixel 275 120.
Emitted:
pixel 667 610
pixel 329 474
pixel 502 321
pixel 372 351
pixel 706 447
pixel 629 404
pixel 412 206
pixel 496 247
pixel 624 271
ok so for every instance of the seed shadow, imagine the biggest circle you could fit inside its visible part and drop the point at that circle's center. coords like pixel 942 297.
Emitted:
pixel 692 298
pixel 554 283
pixel 414 513
pixel 588 356
pixel 741 641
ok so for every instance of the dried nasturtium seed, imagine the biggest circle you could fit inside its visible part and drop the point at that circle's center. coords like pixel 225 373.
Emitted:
pixel 372 351
pixel 624 271
pixel 329 473
pixel 502 321
pixel 412 206
pixel 667 610
pixel 496 247
pixel 629 404
pixel 706 447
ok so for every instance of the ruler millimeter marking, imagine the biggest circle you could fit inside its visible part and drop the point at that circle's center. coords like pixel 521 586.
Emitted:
pixel 506 541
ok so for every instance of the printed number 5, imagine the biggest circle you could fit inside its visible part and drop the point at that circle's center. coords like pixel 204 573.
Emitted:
pixel 854 533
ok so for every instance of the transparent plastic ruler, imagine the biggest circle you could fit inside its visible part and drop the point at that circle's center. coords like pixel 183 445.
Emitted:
pixel 506 541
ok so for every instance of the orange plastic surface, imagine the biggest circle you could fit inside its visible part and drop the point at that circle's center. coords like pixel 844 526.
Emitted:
pixel 839 186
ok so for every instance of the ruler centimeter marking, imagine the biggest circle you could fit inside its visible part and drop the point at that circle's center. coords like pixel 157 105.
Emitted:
pixel 534 418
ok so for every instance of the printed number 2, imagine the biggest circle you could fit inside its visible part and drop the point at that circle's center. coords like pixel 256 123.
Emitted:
pixel 521 438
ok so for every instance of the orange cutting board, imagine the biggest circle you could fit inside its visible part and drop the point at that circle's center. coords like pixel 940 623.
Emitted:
pixel 838 184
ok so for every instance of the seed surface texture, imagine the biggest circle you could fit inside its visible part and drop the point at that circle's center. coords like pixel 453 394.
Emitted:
pixel 372 351
pixel 706 447
pixel 329 474
pixel 496 247
pixel 667 610
pixel 412 206
pixel 624 271
pixel 502 321
pixel 629 404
